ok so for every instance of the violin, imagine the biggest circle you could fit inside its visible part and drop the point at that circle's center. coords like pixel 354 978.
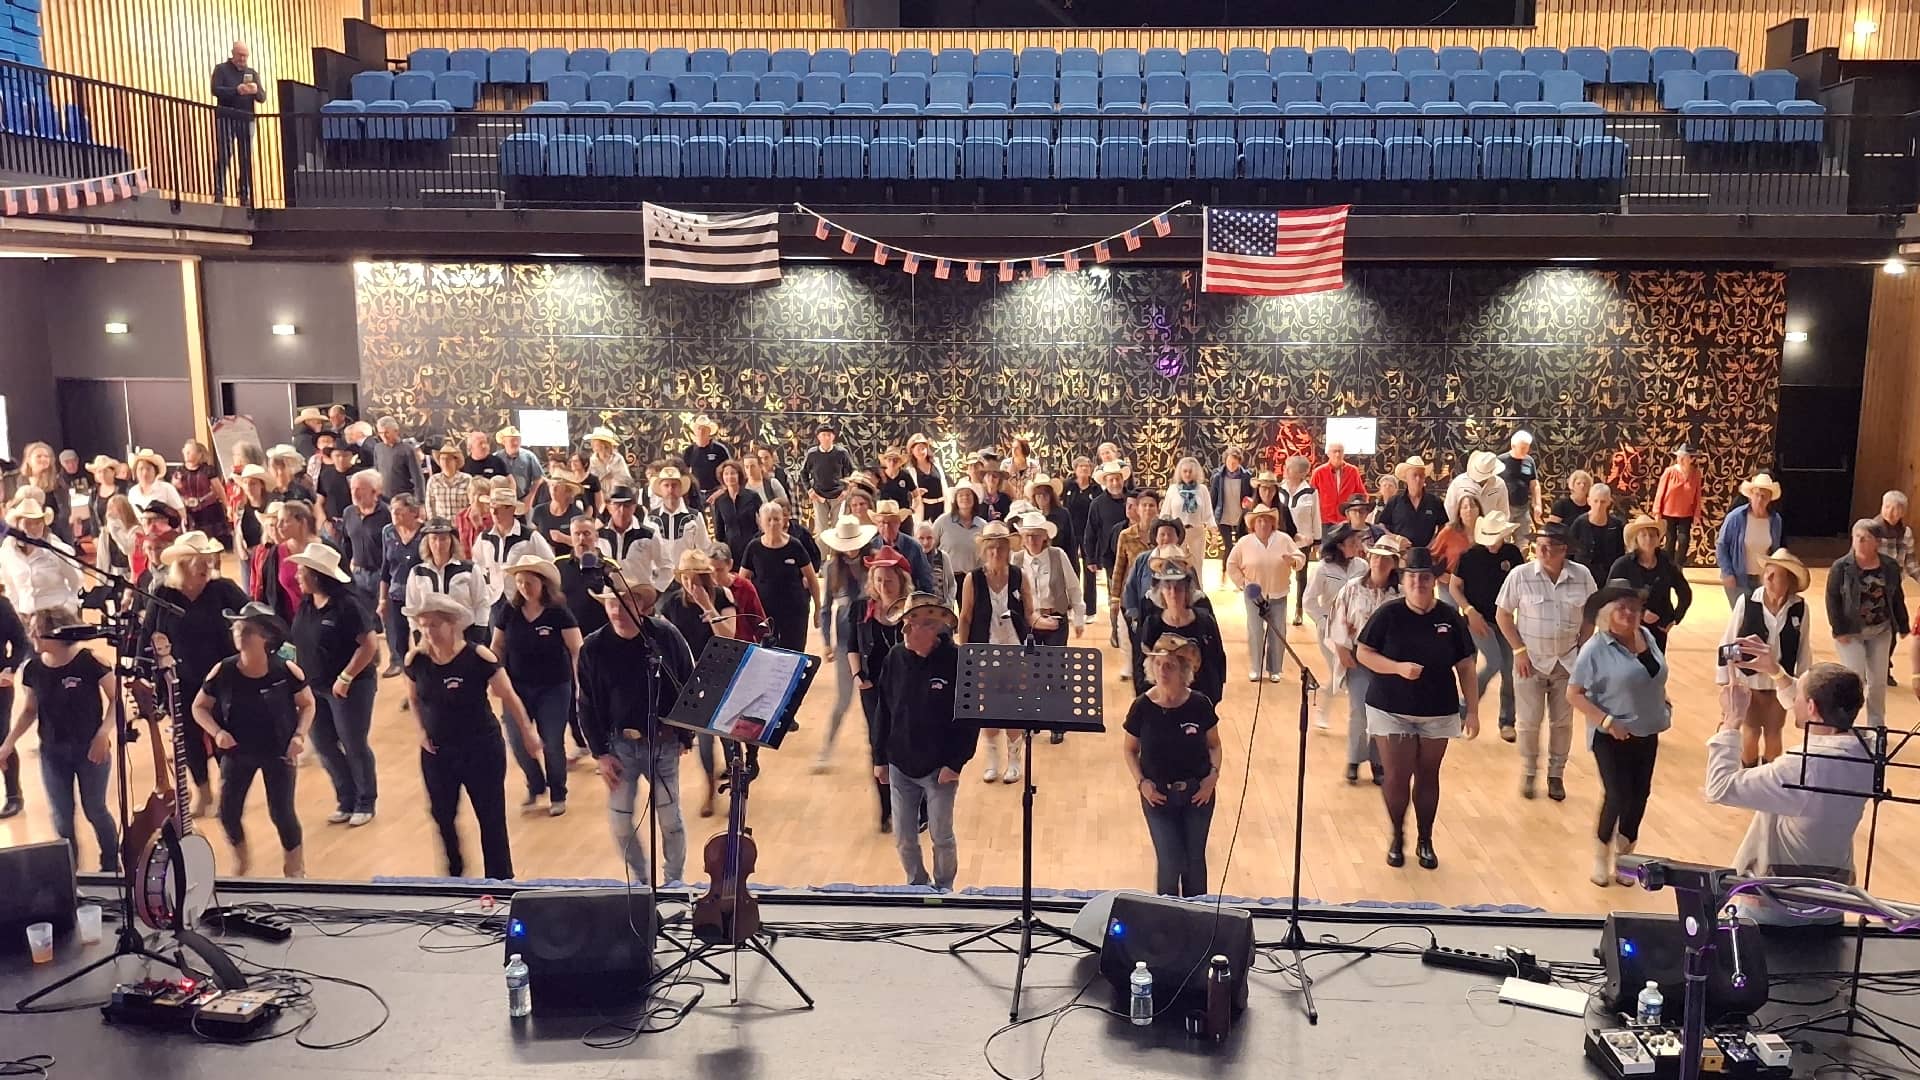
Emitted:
pixel 728 914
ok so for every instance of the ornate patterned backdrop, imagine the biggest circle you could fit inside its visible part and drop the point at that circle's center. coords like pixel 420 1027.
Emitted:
pixel 1608 367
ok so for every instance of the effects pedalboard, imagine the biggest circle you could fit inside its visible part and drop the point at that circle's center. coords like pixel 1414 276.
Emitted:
pixel 188 1004
pixel 1654 1052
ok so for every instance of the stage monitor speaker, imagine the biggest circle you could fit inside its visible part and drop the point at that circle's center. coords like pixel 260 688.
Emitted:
pixel 1175 939
pixel 584 948
pixel 1636 947
pixel 36 885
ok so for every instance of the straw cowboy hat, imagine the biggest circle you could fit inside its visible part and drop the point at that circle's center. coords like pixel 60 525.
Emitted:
pixel 102 462
pixel 666 474
pixel 321 559
pixel 1638 525
pixel 1265 478
pixel 1056 483
pixel 310 414
pixel 704 423
pixel 508 432
pixel 1484 465
pixel 601 434
pixel 190 545
pixel 250 471
pixel 694 561
pixel 889 510
pixel 643 594
pixel 1493 528
pixel 1761 482
pixel 1114 468
pixel 993 532
pixel 893 453
pixel 918 438
pixel 1035 521
pixel 451 449
pixel 1169 563
pixel 1178 648
pixel 1401 470
pixel 1389 546
pixel 1788 561
pixel 151 457
pixel 1262 510
pixel 28 508
pixel 562 479
pixel 503 497
pixel 434 527
pixel 435 603
pixel 848 534
pixel 922 601
pixel 529 563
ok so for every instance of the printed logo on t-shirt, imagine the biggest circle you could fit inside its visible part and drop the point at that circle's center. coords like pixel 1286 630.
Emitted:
pixel 789 562
pixel 543 631
pixel 72 682
pixel 1189 729
pixel 1442 628
pixel 453 682
pixel 936 684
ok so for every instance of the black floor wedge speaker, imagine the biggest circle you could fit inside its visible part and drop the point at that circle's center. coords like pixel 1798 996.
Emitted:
pixel 1175 940
pixel 584 948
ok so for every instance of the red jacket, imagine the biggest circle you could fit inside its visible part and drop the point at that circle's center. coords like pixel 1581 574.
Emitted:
pixel 1335 487
pixel 749 627
pixel 1678 495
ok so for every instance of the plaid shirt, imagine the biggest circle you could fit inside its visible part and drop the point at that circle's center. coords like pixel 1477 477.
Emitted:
pixel 448 495
pixel 1896 546
pixel 1353 605
pixel 1548 613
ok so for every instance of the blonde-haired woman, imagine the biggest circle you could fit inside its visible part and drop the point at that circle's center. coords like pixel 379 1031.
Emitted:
pixel 996 608
pixel 1174 752
pixel 1776 614
pixel 537 637
pixel 39 470
pixel 196 638
pixel 197 479
pixel 1573 504
pixel 1190 503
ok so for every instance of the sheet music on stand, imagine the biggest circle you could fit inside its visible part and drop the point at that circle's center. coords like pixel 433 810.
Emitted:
pixel 1030 687
pixel 744 693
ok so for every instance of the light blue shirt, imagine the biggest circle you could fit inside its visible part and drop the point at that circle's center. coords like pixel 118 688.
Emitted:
pixel 1617 681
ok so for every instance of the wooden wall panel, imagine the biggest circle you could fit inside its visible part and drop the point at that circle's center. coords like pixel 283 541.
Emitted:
pixel 1739 24
pixel 171 46
pixel 608 14
pixel 1889 453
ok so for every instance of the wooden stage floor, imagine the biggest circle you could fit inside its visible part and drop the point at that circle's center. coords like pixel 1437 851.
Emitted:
pixel 821 828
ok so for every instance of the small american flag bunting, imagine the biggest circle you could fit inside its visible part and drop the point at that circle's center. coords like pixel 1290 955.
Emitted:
pixel 941 268
pixel 821 229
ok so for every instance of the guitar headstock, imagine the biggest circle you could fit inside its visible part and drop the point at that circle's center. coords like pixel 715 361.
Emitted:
pixel 146 701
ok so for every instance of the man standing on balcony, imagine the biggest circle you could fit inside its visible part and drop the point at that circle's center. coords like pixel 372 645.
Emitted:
pixel 237 89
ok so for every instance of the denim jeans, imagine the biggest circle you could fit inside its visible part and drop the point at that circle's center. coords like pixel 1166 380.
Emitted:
pixel 63 768
pixel 1496 656
pixel 1179 832
pixel 340 731
pixel 1359 747
pixel 908 793
pixel 549 707
pixel 661 767
pixel 1266 636
pixel 1748 584
pixel 399 634
pixel 236 780
pixel 1866 656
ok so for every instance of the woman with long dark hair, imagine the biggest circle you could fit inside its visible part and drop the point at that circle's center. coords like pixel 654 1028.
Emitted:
pixel 440 569
pixel 777 565
pixel 257 708
pixel 1174 752
pixel 536 635
pixel 196 639
pixel 736 508
pixel 334 638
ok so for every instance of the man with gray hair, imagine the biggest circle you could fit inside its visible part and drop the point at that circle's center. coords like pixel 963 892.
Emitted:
pixel 397 460
pixel 1520 471
pixel 361 526
pixel 237 92
pixel 1896 546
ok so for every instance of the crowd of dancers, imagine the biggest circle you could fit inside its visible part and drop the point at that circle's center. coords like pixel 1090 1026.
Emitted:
pixel 572 591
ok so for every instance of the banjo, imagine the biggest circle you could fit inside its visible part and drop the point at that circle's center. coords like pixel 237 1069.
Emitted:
pixel 172 870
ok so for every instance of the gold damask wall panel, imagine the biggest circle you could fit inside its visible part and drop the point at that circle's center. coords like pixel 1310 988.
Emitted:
pixel 1609 368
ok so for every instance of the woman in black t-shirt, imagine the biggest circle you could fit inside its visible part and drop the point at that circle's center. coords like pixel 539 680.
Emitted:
pixel 1173 751
pixel 702 611
pixel 197 638
pixel 258 709
pixel 334 637
pixel 781 570
pixel 551 518
pixel 1473 587
pixel 889 580
pixel 15 650
pixel 460 748
pixel 64 690
pixel 538 638
pixel 1173 591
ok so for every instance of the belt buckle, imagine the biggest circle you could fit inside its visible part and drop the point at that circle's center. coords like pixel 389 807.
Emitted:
pixel 1179 785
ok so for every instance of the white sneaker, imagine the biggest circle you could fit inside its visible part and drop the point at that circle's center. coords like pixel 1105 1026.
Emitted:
pixel 556 809
pixel 339 817
pixel 1319 716
pixel 1253 676
pixel 360 818
pixel 578 753
pixel 1012 775
pixel 1275 677
pixel 992 772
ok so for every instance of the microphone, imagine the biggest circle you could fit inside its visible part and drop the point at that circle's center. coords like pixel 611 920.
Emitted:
pixel 1259 599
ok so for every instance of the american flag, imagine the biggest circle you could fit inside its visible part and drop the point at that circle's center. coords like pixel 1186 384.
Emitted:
pixel 1274 252
pixel 712 249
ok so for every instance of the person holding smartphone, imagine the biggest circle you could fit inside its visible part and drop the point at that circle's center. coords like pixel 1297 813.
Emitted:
pixel 237 90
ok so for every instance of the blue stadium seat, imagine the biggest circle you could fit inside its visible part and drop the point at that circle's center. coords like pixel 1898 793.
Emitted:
pixel 1079 93
pixel 1078 61
pixel 1535 119
pixel 1215 159
pixel 1122 157
pixel 1120 61
pixel 993 92
pixel 1408 159
pixel 669 62
pixel 795 62
pixel 628 62
pixel 569 155
pixel 1498 59
pixel 1163 61
pixel 738 89
pixel 1076 159
pixel 1296 86
pixel 873 62
pixel 1034 93
pixel 1457 58
pixel 1629 65
pixel 431 61
pixel 372 85
pixel 1583 120
pixel 1339 86
pixel 1244 60
pixel 523 154
pixel 1443 120
pixel 1305 120
pixel 1427 86
pixel 1361 158
pixel 1289 59
pixel 1310 159
pixel 587 61
pixel 781 87
pixel 913 62
pixel 543 65
pixel 821 87
pixel 1410 59
pixel 994 62
pixel 953 62
pixel 1775 85
pixel 1206 60
pixel 1712 58
pixel 1368 59
pixel 1727 86
pixel 567 86
pixel 632 118
pixel 679 128
pixel 983 158
pixel 888 159
pixel 935 158
pixel 1263 157
pixel 1472 86
pixel 1755 121
pixel 1251 87
pixel 856 119
pixel 342 119
pixel 704 156
pixel 798 158
pixel 508 67
pixel 1455 157
pixel 659 156
pixel 1350 120
pixel 1552 157
pixel 1029 159
pixel 1503 157
pixel 610 87
pixel 471 61
pixel 652 89
pixel 697 89
pixel 1207 90
pixel 547 118
pixel 833 62
pixel 1802 122
pixel 1670 58
pixel 1382 86
pixel 842 157
pixel 1681 85
pixel 1588 62
pixel 1561 87
pixel 1120 93
pixel 1396 120
pixel 1258 120
pixel 614 155
pixel 749 62
pixel 1518 86
pixel 861 88
pixel 1169 159
pixel 907 88
pixel 765 120
pixel 1541 59
pixel 461 89
pixel 1329 58
pixel 1166 88
pixel 590 118
pixel 1039 60
pixel 1489 120
pixel 1602 158
pixel 1705 121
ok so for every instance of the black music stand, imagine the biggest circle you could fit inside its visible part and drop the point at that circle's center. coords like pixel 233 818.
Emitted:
pixel 699 708
pixel 1028 688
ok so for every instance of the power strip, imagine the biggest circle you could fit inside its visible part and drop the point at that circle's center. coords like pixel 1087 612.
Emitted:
pixel 1537 996
pixel 1503 962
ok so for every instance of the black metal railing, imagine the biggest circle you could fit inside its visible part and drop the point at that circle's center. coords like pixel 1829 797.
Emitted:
pixel 57 126
pixel 1612 162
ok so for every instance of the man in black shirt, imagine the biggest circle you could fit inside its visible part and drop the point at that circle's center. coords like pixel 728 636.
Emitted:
pixel 237 90
pixel 583 575
pixel 918 746
pixel 704 455
pixel 333 486
pixel 481 460
pixel 824 472
pixel 1106 514
pixel 361 524
pixel 1520 471
pixel 1416 513
pixel 620 685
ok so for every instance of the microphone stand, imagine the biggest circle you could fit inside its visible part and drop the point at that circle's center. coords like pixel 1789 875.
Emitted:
pixel 1295 940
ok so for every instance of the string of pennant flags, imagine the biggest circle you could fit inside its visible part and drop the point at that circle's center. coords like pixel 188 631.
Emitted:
pixel 72 194
pixel 1003 269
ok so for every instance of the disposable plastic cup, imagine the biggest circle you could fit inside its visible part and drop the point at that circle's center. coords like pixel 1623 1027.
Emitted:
pixel 40 942
pixel 87 919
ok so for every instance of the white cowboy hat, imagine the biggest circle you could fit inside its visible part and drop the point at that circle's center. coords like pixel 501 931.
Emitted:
pixel 1790 562
pixel 1761 481
pixel 102 461
pixel 250 471
pixel 1035 521
pixel 848 534
pixel 1111 468
pixel 1389 546
pixel 1401 470
pixel 321 559
pixel 1261 510
pixel 1493 527
pixel 529 563
pixel 1638 525
pixel 601 434
pixel 435 603
pixel 993 532
pixel 151 457
pixel 889 509
pixel 666 474
pixel 508 432
pixel 1056 483
pixel 1484 465
pixel 190 544
pixel 562 478
pixel 28 508
pixel 704 422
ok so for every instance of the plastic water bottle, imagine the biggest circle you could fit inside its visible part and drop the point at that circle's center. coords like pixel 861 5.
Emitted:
pixel 1650 1006
pixel 519 993
pixel 1140 1004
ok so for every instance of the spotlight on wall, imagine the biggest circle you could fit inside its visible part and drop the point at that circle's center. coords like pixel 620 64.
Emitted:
pixel 116 328
pixel 284 329
pixel 1863 26
pixel 1894 265
pixel 1796 337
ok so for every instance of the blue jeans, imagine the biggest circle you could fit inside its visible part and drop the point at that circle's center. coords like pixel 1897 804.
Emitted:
pixel 63 768
pixel 1179 832
pixel 340 730
pixel 399 634
pixel 1749 583
pixel 1266 635
pixel 661 767
pixel 908 793
pixel 1496 655
pixel 1359 747
pixel 549 707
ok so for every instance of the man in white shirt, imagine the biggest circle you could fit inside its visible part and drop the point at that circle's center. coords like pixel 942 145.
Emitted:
pixel 630 542
pixel 37 579
pixel 504 541
pixel 1541 610
pixel 1795 832
pixel 1481 479
pixel 680 527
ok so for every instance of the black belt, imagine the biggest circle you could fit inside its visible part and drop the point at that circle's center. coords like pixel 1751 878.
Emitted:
pixel 1179 785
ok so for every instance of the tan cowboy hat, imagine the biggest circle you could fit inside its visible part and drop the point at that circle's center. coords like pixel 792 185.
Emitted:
pixel 918 601
pixel 1113 468
pixel 666 474
pixel 1761 481
pixel 250 471
pixel 643 592
pixel 309 413
pixel 1493 527
pixel 503 497
pixel 1401 470
pixel 893 453
pixel 1388 545
pixel 28 508
pixel 705 422
pixel 694 561
pixel 435 603
pixel 993 532
pixel 321 559
pixel 452 450
pixel 1173 645
pixel 508 432
pixel 529 563
pixel 848 534
pixel 151 457
pixel 1056 483
pixel 102 461
pixel 1638 525
pixel 1790 562
pixel 1035 521
pixel 601 434
pixel 1261 510
pixel 284 450
pixel 1265 478
pixel 889 510
pixel 1484 465
pixel 190 545
pixel 561 478
pixel 918 438
pixel 1169 563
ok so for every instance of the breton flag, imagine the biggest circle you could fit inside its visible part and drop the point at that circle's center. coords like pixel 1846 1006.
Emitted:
pixel 712 249
pixel 1274 252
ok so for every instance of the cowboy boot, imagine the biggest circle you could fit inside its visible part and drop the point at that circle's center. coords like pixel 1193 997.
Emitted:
pixel 294 864
pixel 1602 864
pixel 1622 846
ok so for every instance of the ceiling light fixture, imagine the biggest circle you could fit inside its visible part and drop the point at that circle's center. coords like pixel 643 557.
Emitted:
pixel 1796 337
pixel 116 328
pixel 284 329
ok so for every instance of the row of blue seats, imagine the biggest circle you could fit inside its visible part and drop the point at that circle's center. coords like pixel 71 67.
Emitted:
pixel 421 120
pixel 1774 84
pixel 461 89
pixel 31 112
pixel 1118 158
pixel 1752 121
pixel 1626 64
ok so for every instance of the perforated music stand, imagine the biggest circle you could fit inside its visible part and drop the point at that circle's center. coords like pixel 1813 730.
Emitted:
pixel 1028 688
